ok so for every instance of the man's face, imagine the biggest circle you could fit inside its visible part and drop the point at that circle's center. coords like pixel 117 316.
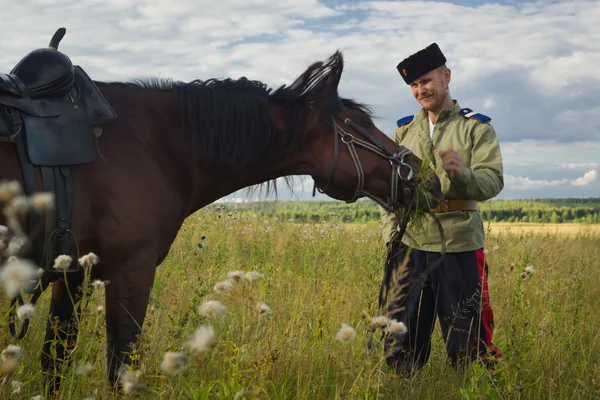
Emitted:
pixel 431 89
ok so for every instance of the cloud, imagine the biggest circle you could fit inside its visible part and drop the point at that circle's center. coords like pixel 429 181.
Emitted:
pixel 531 66
pixel 519 182
pixel 586 179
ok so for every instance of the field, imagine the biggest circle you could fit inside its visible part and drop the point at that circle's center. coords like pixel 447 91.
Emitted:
pixel 317 276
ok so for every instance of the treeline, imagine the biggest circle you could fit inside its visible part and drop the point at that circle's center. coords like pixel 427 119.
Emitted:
pixel 364 211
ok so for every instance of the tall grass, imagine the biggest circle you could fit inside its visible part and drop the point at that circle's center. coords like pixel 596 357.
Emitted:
pixel 317 277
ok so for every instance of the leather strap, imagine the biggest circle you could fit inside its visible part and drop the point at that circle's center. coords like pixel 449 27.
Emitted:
pixel 455 205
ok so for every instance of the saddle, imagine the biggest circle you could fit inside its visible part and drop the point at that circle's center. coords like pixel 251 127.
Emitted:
pixel 53 112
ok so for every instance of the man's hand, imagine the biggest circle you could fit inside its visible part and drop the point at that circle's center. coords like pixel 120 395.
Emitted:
pixel 451 162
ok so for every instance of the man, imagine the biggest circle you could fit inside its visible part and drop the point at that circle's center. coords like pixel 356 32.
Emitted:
pixel 463 148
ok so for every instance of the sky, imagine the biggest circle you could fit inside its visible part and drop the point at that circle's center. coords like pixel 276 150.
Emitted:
pixel 532 66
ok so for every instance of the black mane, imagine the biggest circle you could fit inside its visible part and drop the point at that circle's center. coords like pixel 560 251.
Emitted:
pixel 229 120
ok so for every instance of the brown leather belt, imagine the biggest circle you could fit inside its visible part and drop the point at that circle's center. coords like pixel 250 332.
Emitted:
pixel 456 205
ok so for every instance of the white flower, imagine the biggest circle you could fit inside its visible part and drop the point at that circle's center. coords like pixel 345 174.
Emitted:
pixel 8 190
pixel 43 202
pixel 16 275
pixel 11 352
pixel 529 269
pixel 86 369
pixel 346 334
pixel 235 275
pixel 380 321
pixel 223 287
pixel 16 387
pixel 89 260
pixel 264 309
pixel 396 327
pixel 97 284
pixel 252 276
pixel 173 363
pixel 62 262
pixel 203 339
pixel 211 308
pixel 26 311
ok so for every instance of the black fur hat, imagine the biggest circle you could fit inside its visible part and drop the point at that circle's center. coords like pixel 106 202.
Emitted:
pixel 421 62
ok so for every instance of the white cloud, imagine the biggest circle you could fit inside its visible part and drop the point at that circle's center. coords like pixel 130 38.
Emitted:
pixel 521 183
pixel 586 179
pixel 524 183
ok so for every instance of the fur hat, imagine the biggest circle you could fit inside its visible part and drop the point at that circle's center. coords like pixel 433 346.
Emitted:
pixel 421 62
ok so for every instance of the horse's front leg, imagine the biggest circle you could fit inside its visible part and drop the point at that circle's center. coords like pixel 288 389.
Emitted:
pixel 127 297
pixel 62 328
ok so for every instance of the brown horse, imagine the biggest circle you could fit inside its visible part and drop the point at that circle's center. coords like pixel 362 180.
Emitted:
pixel 176 147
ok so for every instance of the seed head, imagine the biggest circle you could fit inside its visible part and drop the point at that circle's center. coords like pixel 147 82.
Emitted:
pixel 264 309
pixel 42 202
pixel 223 287
pixel 62 262
pixel 252 276
pixel 346 334
pixel 203 339
pixel 16 275
pixel 89 260
pixel 86 369
pixel 380 321
pixel 173 363
pixel 396 327
pixel 212 308
pixel 26 311
pixel 235 275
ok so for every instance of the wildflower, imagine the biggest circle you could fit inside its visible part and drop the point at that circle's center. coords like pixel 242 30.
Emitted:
pixel 252 276
pixel 203 339
pixel 89 260
pixel 235 275
pixel 16 275
pixel 529 269
pixel 17 206
pixel 346 334
pixel 26 311
pixel 42 202
pixel 99 309
pixel 130 382
pixel 8 190
pixel 380 321
pixel 496 247
pixel 12 351
pixel 38 397
pixel 16 244
pixel 396 327
pixel 16 387
pixel 264 309
pixel 86 369
pixel 3 232
pixel 223 287
pixel 62 262
pixel 211 308
pixel 173 363
pixel 98 284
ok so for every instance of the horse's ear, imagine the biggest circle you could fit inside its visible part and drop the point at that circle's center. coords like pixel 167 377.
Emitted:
pixel 325 78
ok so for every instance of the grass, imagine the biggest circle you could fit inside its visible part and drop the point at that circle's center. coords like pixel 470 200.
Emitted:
pixel 316 277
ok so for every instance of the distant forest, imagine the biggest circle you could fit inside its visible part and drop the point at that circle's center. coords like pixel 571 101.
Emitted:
pixel 557 211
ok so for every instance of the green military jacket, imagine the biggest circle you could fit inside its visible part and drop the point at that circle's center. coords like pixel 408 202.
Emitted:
pixel 481 177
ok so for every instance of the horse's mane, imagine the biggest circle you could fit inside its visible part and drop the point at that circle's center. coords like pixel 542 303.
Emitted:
pixel 229 119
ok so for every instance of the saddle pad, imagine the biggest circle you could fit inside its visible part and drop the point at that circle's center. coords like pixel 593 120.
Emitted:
pixel 63 140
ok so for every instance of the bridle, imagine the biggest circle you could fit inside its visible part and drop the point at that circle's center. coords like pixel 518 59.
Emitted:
pixel 397 161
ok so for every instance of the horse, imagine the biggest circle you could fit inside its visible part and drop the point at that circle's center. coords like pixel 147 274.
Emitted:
pixel 132 160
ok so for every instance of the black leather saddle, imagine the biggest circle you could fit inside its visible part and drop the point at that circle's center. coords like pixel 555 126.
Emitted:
pixel 55 105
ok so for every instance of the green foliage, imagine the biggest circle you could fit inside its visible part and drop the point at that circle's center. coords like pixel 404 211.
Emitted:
pixel 554 211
